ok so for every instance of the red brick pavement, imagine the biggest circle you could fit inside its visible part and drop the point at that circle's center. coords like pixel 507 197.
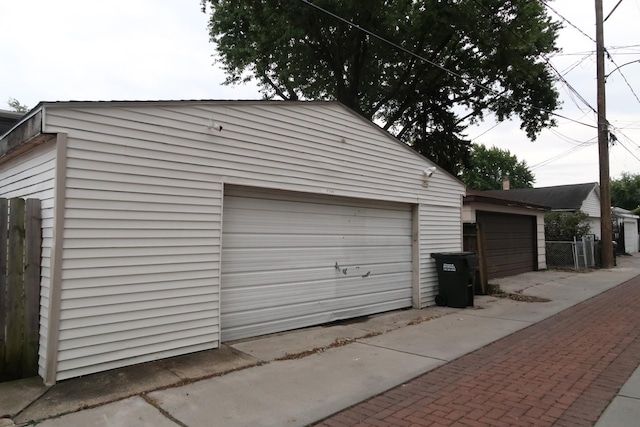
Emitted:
pixel 563 371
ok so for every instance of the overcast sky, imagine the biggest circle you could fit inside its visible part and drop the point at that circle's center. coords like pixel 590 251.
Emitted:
pixel 159 49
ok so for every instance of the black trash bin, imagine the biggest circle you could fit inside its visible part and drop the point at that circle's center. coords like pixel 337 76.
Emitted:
pixel 456 278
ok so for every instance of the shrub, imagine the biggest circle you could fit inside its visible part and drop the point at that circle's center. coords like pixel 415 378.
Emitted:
pixel 564 226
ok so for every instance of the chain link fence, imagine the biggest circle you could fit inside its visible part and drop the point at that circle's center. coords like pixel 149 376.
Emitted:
pixel 560 254
pixel 577 255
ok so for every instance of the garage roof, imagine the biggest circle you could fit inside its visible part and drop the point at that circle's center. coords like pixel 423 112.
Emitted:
pixel 502 198
pixel 560 197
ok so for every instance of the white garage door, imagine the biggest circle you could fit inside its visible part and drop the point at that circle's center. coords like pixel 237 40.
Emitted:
pixel 630 236
pixel 291 260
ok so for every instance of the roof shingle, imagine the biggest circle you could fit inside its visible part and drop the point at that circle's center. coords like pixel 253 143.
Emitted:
pixel 561 197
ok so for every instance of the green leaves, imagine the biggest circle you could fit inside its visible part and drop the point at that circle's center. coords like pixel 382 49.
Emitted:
pixel 625 192
pixel 489 49
pixel 489 166
pixel 15 105
pixel 564 226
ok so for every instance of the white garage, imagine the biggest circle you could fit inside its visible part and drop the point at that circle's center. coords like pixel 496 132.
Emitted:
pixel 626 231
pixel 171 226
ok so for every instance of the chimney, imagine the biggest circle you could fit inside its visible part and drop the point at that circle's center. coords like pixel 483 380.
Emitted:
pixel 505 184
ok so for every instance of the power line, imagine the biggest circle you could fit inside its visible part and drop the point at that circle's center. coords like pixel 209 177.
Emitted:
pixel 576 64
pixel 440 67
pixel 625 46
pixel 629 151
pixel 623 76
pixel 618 130
pixel 567 21
pixel 593 40
pixel 486 131
pixel 583 53
pixel 566 153
pixel 551 66
pixel 612 10
pixel 566 138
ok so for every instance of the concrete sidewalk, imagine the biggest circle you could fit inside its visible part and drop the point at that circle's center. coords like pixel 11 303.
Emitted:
pixel 297 378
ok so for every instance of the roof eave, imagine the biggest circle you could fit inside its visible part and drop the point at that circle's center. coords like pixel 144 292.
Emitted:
pixel 481 198
pixel 24 136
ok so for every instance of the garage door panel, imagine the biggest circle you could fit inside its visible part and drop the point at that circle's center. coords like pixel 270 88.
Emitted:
pixel 331 206
pixel 261 296
pixel 509 243
pixel 499 249
pixel 286 259
pixel 498 246
pixel 291 227
pixel 279 260
pixel 266 277
pixel 316 212
pixel 630 236
pixel 241 241
pixel 312 318
pixel 511 257
pixel 285 218
pixel 328 307
pixel 249 216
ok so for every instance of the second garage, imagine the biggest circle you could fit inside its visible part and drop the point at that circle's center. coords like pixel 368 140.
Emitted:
pixel 508 234
pixel 509 243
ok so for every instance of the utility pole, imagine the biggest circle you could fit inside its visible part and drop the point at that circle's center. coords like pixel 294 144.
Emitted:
pixel 603 146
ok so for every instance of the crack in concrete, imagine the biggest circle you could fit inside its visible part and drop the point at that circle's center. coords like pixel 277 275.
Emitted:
pixel 166 414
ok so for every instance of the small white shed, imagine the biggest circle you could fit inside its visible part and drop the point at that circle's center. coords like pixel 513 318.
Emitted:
pixel 169 226
pixel 626 230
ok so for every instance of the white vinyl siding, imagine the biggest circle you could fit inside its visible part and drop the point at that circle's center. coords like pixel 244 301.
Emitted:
pixel 31 176
pixel 596 227
pixel 141 260
pixel 440 231
pixel 290 261
pixel 144 199
pixel 315 147
pixel 591 205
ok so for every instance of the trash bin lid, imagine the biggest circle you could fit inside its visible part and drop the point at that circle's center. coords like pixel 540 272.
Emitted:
pixel 452 254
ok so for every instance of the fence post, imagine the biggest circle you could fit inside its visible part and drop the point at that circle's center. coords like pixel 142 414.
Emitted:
pixel 33 245
pixel 15 292
pixel 20 243
pixel 584 252
pixel 482 255
pixel 4 307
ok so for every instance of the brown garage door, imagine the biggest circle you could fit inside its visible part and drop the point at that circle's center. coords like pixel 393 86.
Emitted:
pixel 509 243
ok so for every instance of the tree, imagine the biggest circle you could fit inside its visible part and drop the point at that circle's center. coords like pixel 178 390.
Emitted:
pixel 15 105
pixel 564 226
pixel 479 56
pixel 489 166
pixel 625 192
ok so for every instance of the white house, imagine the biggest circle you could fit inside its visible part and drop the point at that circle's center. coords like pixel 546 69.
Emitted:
pixel 171 226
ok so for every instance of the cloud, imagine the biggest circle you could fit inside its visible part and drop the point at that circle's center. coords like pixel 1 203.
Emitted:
pixel 160 49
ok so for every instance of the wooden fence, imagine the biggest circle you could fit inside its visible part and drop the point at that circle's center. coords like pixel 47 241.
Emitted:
pixel 473 241
pixel 20 243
